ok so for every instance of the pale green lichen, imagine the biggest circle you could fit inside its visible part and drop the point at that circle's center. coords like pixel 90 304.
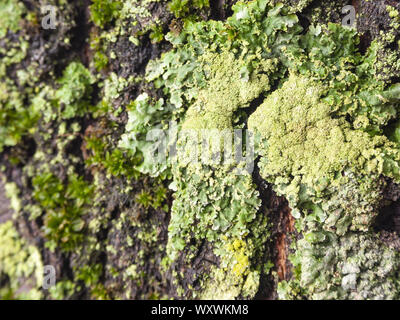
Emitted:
pixel 321 132
pixel 234 277
pixel 355 266
pixel 12 193
pixel 10 16
pixel 221 201
pixel 331 174
pixel 303 141
pixel 21 263
pixel 75 90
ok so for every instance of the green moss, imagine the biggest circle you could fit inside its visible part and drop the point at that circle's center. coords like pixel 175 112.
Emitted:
pixel 91 276
pixel 21 109
pixel 117 162
pixel 155 197
pixel 104 11
pixel 15 120
pixel 63 207
pixel 100 59
pixel 63 289
pixel 157 34
pixel 182 8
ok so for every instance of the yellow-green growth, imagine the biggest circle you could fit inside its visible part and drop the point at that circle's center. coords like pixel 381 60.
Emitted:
pixel 230 86
pixel 304 141
pixel 235 276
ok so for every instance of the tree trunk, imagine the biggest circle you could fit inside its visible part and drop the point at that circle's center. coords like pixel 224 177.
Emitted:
pixel 88 205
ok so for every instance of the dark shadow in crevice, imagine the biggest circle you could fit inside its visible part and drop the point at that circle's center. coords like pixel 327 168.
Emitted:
pixel 221 9
pixel 388 218
pixel 281 231
pixel 387 223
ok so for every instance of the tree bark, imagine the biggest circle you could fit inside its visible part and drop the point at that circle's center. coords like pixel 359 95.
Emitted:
pixel 77 202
